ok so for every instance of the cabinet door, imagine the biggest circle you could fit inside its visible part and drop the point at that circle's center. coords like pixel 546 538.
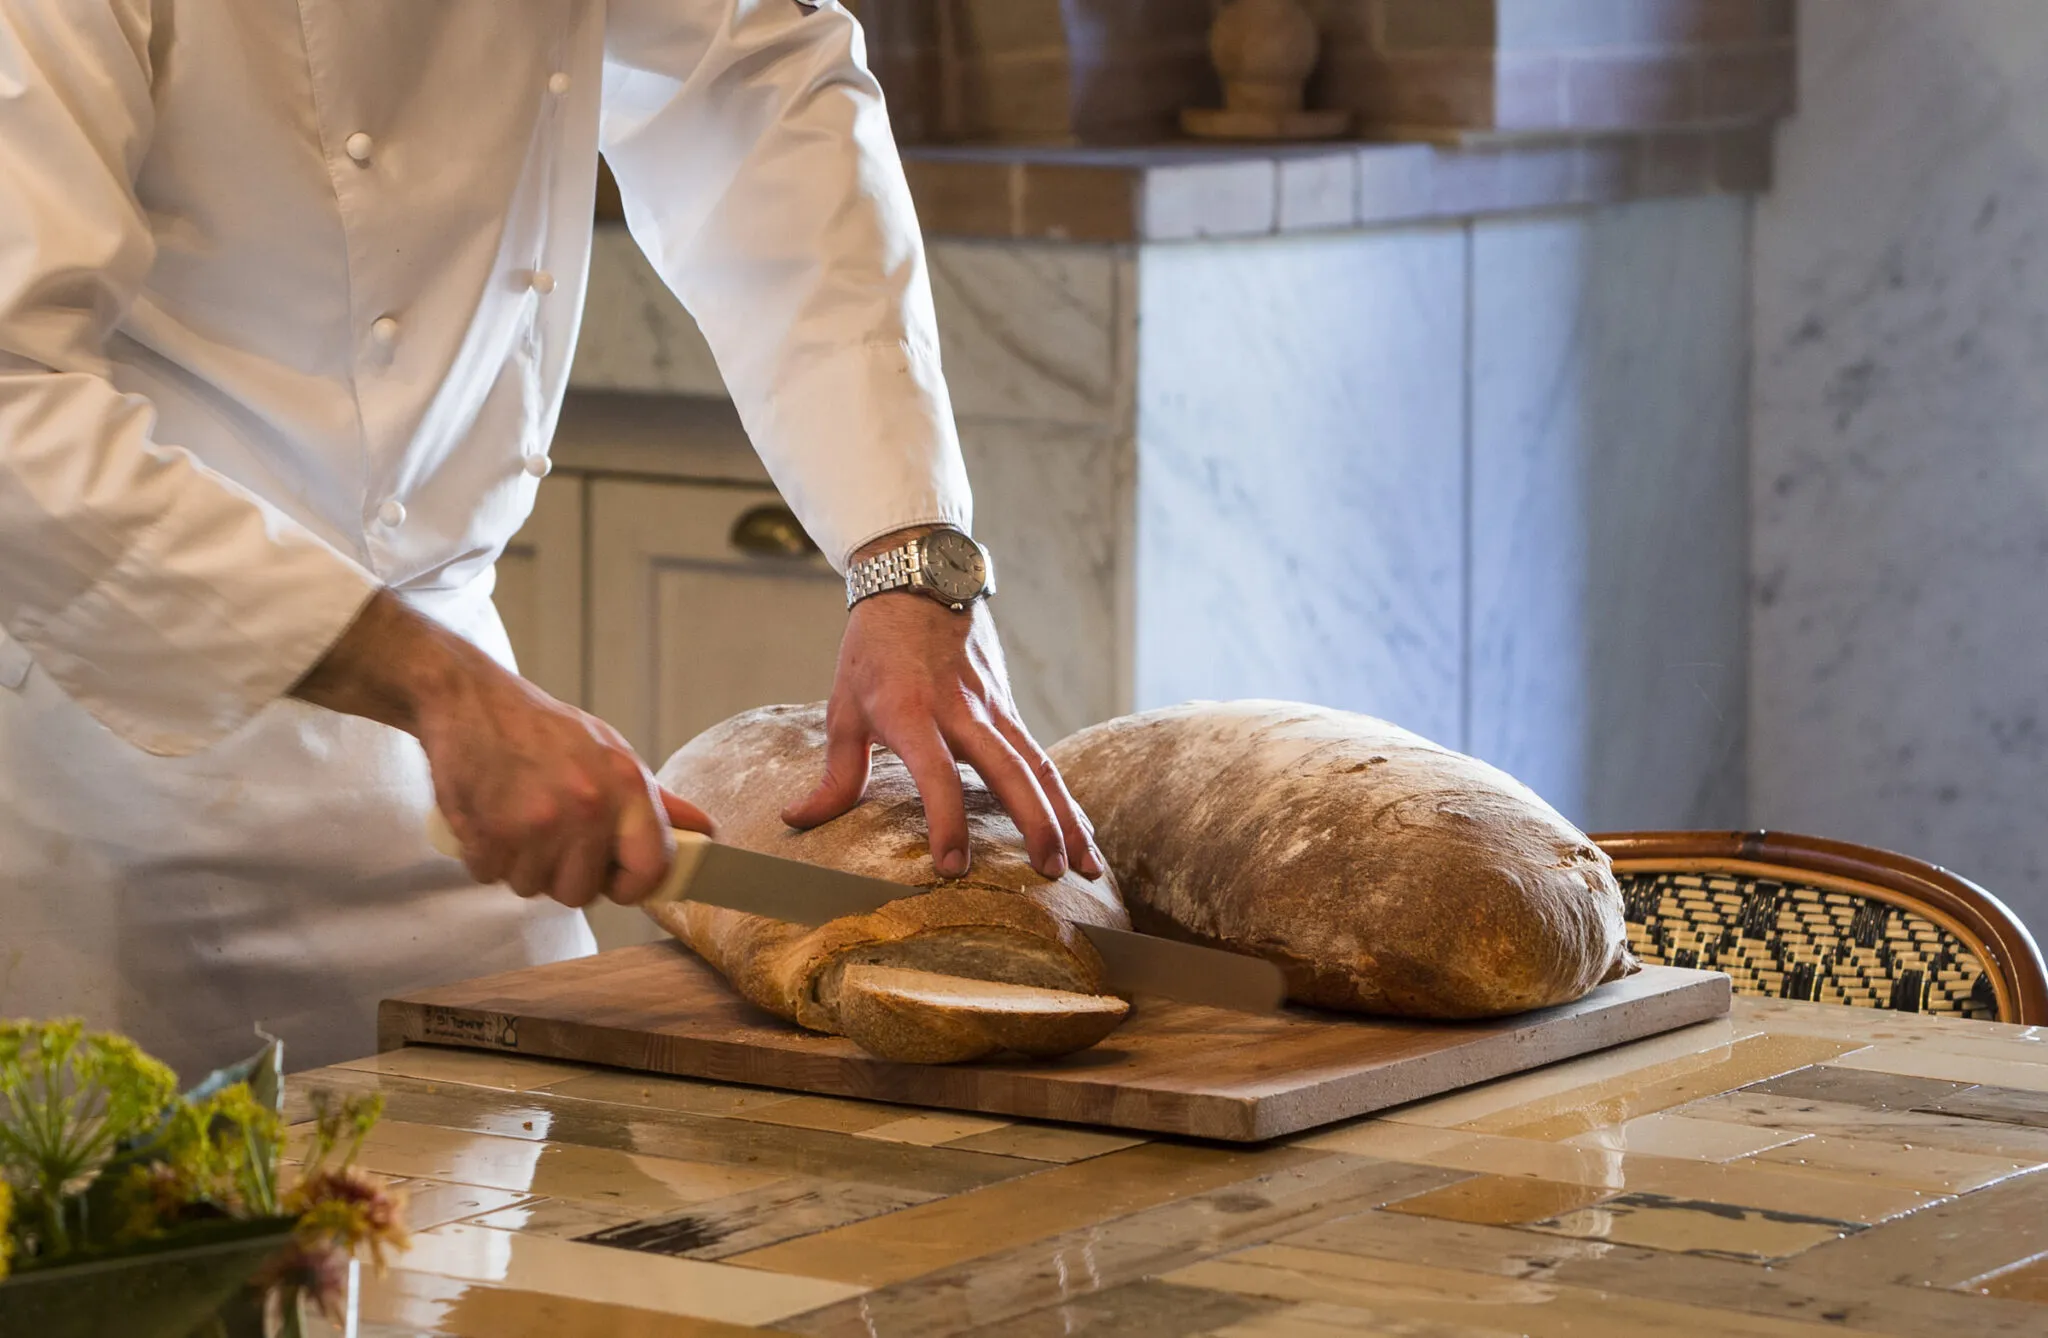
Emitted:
pixel 540 591
pixel 698 610
pixel 694 617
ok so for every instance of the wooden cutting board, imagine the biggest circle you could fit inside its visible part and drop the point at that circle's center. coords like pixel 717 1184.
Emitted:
pixel 1171 1068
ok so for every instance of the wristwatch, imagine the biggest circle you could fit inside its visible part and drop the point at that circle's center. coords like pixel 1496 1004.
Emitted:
pixel 945 564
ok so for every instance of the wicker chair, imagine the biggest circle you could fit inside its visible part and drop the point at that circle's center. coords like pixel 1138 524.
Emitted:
pixel 1797 917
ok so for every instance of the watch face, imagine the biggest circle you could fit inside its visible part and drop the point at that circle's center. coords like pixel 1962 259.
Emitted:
pixel 953 565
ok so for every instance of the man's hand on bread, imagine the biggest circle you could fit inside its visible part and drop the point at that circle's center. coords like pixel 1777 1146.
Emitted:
pixel 930 684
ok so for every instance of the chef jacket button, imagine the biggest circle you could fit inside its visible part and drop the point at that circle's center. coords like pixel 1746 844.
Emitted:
pixel 539 466
pixel 392 513
pixel 384 330
pixel 542 282
pixel 359 146
pixel 558 83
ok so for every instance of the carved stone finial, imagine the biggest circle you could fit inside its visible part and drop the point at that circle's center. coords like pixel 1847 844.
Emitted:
pixel 1265 51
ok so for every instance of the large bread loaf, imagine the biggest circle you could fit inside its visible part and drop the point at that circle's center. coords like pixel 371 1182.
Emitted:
pixel 1381 872
pixel 1003 922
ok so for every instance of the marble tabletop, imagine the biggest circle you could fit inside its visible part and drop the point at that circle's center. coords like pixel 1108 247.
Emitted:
pixel 1794 1169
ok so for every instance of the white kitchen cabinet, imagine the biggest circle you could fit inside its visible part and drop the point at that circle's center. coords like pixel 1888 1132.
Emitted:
pixel 697 612
pixel 692 619
pixel 541 594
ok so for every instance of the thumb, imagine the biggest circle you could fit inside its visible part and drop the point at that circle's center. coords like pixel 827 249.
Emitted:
pixel 844 782
pixel 686 815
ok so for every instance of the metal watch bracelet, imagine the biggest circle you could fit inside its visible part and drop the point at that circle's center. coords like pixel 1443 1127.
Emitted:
pixel 892 569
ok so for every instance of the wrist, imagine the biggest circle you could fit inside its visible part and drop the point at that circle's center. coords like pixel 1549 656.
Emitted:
pixel 393 665
pixel 940 562
pixel 893 539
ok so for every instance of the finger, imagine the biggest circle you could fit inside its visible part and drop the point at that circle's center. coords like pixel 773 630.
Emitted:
pixel 582 871
pixel 685 815
pixel 1017 790
pixel 490 859
pixel 845 779
pixel 931 765
pixel 487 861
pixel 531 871
pixel 641 846
pixel 487 867
pixel 1078 832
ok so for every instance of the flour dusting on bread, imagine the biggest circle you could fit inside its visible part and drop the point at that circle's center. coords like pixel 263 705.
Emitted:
pixel 1383 872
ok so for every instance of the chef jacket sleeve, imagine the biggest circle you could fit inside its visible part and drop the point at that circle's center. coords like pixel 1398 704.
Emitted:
pixel 754 157
pixel 164 599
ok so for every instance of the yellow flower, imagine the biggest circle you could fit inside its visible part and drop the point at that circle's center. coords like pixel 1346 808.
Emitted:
pixel 341 1209
pixel 348 1209
pixel 151 1198
pixel 6 1225
pixel 221 1151
pixel 238 1107
pixel 69 1100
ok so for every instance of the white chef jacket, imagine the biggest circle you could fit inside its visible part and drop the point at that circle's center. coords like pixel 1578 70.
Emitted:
pixel 288 292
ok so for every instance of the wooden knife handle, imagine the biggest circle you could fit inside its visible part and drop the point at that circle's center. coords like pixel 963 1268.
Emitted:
pixel 690 847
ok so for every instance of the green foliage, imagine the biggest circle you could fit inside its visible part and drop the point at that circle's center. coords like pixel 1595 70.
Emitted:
pixel 341 1125
pixel 212 1157
pixel 69 1101
pixel 98 1158
pixel 6 1222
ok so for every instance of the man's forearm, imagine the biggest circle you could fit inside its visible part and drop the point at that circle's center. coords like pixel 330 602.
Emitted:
pixel 541 795
pixel 388 664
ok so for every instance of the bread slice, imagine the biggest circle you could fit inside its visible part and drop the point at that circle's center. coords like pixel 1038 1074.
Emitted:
pixel 922 1017
pixel 795 972
pixel 1003 922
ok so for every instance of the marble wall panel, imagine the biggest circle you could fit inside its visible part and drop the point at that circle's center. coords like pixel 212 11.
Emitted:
pixel 1301 425
pixel 635 335
pixel 1608 539
pixel 1900 481
pixel 1053 504
pixel 1033 332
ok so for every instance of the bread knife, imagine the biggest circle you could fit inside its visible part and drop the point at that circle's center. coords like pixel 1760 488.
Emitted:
pixel 809 894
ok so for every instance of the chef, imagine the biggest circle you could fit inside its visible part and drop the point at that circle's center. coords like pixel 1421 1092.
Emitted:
pixel 288 292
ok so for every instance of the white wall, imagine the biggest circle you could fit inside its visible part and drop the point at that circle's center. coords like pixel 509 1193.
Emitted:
pixel 1485 480
pixel 1301 472
pixel 1609 457
pixel 1900 468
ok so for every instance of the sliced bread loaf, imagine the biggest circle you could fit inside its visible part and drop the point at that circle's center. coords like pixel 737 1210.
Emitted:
pixel 1001 923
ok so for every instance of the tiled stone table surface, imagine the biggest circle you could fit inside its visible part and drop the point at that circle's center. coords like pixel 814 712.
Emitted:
pixel 1795 1169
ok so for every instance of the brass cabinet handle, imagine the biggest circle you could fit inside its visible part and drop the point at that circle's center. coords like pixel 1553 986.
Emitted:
pixel 772 531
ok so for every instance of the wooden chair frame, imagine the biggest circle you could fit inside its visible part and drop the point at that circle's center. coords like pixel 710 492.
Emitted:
pixel 1993 932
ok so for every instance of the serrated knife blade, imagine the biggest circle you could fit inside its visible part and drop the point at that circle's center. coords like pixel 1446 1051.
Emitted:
pixel 810 894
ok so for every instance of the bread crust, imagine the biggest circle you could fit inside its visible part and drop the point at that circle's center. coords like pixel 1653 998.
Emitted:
pixel 1003 921
pixel 1382 872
